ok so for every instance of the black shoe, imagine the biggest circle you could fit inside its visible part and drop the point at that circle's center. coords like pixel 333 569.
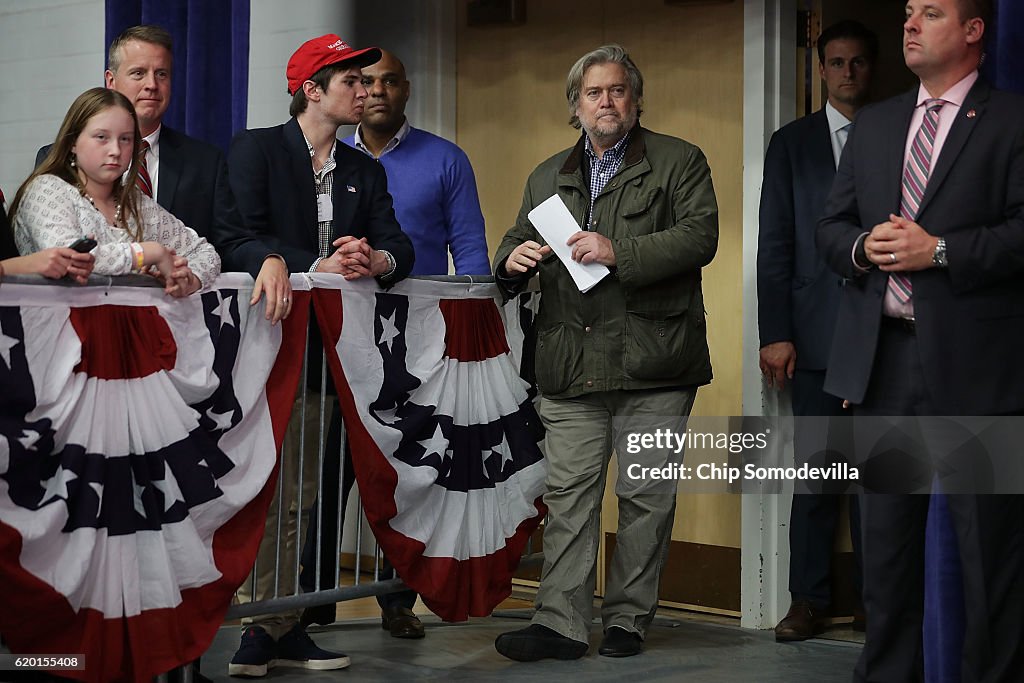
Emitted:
pixel 618 642
pixel 538 642
pixel 319 614
pixel 801 622
pixel 255 654
pixel 297 650
pixel 401 622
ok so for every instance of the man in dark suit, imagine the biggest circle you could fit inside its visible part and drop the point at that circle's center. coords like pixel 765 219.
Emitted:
pixel 186 176
pixel 926 220
pixel 320 206
pixel 798 297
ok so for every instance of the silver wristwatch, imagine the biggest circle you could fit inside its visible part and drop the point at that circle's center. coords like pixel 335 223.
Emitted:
pixel 392 264
pixel 939 256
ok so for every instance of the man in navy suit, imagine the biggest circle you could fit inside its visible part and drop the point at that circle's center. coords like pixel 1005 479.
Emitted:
pixel 188 177
pixel 317 205
pixel 926 222
pixel 798 297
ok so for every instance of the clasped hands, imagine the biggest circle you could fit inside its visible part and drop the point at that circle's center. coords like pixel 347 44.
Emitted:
pixel 173 271
pixel 900 245
pixel 587 247
pixel 353 258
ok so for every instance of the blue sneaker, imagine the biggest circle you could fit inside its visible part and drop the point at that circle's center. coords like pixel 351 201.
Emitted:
pixel 296 649
pixel 255 654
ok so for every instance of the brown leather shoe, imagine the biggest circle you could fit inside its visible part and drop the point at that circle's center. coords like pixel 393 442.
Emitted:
pixel 401 622
pixel 860 621
pixel 801 622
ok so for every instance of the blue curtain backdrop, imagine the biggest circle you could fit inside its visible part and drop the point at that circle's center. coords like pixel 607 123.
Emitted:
pixel 210 81
pixel 1004 65
pixel 944 605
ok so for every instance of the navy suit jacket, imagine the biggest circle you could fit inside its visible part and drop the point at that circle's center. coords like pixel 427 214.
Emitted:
pixel 193 185
pixel 797 294
pixel 970 316
pixel 272 179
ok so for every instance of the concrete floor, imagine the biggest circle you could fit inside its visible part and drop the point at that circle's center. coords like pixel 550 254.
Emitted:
pixel 677 648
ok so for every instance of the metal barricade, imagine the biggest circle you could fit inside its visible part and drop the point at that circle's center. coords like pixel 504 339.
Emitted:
pixel 276 600
pixel 313 406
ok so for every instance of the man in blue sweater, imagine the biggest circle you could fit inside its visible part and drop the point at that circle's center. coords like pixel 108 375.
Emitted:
pixel 429 177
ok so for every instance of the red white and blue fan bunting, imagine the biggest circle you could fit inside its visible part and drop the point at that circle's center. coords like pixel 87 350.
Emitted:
pixel 443 431
pixel 138 434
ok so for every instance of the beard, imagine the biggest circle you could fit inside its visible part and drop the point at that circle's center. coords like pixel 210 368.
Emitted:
pixel 610 128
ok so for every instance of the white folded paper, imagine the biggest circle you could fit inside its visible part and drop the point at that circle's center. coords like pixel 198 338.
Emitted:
pixel 556 225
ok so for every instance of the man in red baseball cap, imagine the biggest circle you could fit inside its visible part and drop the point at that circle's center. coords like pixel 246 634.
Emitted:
pixel 317 53
pixel 320 206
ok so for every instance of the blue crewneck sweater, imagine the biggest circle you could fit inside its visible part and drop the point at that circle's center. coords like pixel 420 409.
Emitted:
pixel 436 202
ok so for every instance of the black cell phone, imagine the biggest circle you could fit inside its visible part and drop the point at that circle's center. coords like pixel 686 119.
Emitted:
pixel 83 244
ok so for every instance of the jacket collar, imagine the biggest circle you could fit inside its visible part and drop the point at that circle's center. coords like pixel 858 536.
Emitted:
pixel 635 150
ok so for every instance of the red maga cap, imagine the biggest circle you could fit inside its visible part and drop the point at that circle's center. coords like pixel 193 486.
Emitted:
pixel 317 53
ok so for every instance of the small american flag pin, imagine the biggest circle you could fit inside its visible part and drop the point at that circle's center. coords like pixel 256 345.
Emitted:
pixel 350 188
pixel 971 114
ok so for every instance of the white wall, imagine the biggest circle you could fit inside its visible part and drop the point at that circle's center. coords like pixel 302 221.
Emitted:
pixel 50 51
pixel 422 34
pixel 769 100
pixel 276 29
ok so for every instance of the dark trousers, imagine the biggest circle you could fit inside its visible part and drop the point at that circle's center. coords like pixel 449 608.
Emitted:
pixel 813 518
pixel 990 534
pixel 337 471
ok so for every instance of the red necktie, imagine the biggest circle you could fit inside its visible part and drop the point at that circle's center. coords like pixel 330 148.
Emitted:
pixel 915 180
pixel 144 182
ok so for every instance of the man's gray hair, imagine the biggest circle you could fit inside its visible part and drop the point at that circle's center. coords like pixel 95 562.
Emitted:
pixel 606 54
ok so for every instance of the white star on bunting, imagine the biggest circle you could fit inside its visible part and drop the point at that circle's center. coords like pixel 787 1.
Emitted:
pixel 6 344
pixel 28 439
pixel 221 421
pixel 223 311
pixel 169 487
pixel 57 485
pixel 389 331
pixel 504 450
pixel 435 445
pixel 137 498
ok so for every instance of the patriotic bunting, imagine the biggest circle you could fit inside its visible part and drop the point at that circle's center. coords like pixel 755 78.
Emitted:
pixel 139 438
pixel 443 431
pixel 136 440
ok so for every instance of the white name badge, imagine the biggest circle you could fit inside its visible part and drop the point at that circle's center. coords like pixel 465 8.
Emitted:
pixel 324 208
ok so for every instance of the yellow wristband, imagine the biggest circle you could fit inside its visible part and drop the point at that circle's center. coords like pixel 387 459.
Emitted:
pixel 140 256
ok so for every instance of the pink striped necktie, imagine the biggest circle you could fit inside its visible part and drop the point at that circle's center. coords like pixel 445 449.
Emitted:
pixel 144 182
pixel 915 180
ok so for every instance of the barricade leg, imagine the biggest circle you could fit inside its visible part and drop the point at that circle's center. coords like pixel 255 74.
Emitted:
pixel 276 561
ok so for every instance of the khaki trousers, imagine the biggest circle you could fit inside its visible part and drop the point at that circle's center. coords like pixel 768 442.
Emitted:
pixel 578 445
pixel 277 560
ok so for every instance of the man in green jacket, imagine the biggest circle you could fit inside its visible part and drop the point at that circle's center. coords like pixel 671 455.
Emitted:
pixel 622 359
